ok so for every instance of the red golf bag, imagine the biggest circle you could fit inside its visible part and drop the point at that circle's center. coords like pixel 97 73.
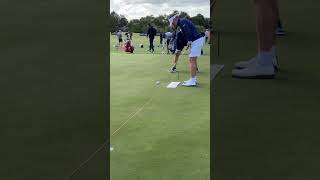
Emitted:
pixel 128 47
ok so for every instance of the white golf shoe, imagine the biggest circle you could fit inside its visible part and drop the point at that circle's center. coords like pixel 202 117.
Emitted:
pixel 244 64
pixel 255 71
pixel 190 83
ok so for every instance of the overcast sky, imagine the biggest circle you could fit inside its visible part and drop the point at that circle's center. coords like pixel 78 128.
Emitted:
pixel 134 9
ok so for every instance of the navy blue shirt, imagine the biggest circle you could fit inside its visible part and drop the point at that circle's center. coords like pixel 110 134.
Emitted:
pixel 180 41
pixel 151 32
pixel 189 30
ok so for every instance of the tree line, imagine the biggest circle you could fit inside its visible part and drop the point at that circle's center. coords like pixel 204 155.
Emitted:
pixel 120 22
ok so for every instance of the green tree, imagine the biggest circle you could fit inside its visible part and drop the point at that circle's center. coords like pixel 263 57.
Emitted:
pixel 134 26
pixel 117 22
pixel 161 22
pixel 123 23
pixel 207 23
pixel 145 21
pixel 114 18
pixel 198 20
pixel 184 15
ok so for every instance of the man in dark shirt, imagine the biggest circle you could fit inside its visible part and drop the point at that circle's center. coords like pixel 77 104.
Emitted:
pixel 195 44
pixel 179 43
pixel 151 34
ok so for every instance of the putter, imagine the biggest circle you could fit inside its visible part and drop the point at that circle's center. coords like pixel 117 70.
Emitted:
pixel 218 44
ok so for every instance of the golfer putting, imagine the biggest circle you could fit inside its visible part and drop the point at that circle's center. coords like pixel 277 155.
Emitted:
pixel 179 43
pixel 195 42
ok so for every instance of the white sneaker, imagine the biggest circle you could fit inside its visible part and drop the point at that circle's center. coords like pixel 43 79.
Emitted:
pixel 244 64
pixel 255 71
pixel 190 83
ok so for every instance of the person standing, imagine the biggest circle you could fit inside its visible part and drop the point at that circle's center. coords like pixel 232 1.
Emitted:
pixel 265 63
pixel 195 44
pixel 179 43
pixel 151 34
pixel 161 37
pixel 207 34
pixel 168 36
pixel 119 35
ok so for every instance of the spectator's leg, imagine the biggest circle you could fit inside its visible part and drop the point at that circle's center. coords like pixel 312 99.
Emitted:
pixel 151 42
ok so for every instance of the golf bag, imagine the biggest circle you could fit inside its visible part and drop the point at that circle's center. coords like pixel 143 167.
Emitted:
pixel 128 47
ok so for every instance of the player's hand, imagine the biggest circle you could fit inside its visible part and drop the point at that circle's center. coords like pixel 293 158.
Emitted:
pixel 189 43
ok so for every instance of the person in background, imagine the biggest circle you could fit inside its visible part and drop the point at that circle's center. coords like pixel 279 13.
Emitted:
pixel 119 35
pixel 207 35
pixel 128 34
pixel 161 37
pixel 204 35
pixel 151 34
pixel 172 46
pixel 168 37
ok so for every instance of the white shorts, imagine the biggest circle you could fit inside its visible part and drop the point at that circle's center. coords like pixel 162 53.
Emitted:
pixel 196 46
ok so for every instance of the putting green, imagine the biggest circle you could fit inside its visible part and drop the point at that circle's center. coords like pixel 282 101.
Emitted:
pixel 158 133
pixel 53 89
pixel 267 129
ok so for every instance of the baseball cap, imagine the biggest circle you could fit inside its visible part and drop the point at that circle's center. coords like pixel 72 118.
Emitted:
pixel 172 18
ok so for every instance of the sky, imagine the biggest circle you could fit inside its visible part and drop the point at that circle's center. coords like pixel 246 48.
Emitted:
pixel 134 9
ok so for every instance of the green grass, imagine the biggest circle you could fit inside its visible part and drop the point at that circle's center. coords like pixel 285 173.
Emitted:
pixel 53 89
pixel 267 129
pixel 169 138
